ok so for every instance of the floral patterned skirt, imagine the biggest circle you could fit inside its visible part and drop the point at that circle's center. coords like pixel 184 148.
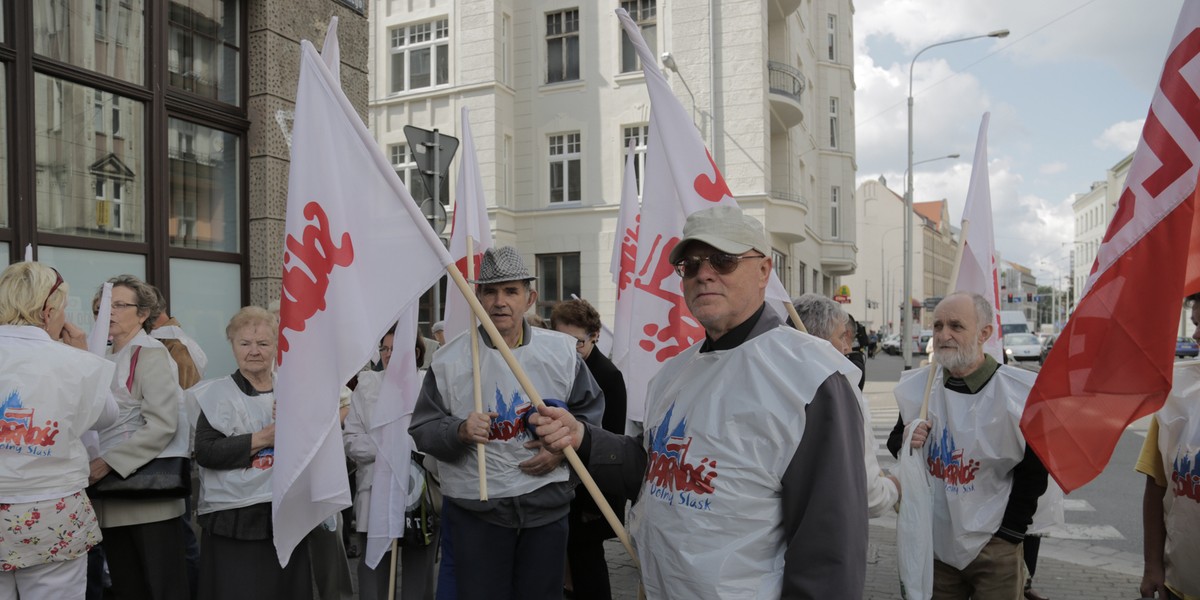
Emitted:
pixel 36 533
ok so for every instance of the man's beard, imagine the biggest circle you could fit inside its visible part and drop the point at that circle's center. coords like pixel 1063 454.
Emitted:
pixel 958 360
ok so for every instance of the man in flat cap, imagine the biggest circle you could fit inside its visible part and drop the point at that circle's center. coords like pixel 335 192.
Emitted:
pixel 513 544
pixel 751 474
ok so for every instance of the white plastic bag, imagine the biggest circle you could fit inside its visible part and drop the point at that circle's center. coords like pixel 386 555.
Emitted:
pixel 914 526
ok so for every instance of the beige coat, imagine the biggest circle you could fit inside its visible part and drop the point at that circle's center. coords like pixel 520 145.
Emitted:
pixel 155 382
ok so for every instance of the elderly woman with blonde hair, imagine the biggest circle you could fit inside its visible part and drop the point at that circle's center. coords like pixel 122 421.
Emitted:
pixel 234 417
pixel 52 393
pixel 143 541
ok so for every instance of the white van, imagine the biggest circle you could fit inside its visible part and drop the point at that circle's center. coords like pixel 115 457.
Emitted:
pixel 1013 321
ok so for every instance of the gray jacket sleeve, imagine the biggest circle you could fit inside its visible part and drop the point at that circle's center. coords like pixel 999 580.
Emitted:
pixel 825 500
pixel 586 401
pixel 617 462
pixel 433 428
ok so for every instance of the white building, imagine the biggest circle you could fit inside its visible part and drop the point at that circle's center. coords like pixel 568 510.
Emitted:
pixel 1094 210
pixel 877 285
pixel 555 94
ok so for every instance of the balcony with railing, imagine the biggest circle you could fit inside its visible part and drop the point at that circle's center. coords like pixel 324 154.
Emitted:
pixel 787 216
pixel 786 86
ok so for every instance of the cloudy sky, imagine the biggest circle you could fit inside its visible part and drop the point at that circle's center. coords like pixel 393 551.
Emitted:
pixel 1068 91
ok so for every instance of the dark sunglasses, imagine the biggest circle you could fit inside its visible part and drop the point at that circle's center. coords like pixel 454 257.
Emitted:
pixel 58 281
pixel 721 262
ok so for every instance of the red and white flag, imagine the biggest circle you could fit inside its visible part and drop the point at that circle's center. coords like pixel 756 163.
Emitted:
pixel 356 250
pixel 1113 362
pixel 389 430
pixel 624 257
pixel 681 178
pixel 470 220
pixel 977 272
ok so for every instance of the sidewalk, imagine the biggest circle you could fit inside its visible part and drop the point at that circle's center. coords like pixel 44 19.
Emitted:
pixel 1057 579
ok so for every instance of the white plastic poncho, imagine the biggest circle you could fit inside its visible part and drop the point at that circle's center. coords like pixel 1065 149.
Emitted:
pixel 549 359
pixel 914 526
pixel 1179 443
pixel 232 413
pixel 722 427
pixel 974 443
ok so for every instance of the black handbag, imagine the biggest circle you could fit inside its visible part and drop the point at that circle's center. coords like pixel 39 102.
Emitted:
pixel 169 477
pixel 163 477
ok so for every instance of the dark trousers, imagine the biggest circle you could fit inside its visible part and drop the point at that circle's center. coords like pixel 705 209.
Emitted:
pixel 446 588
pixel 146 561
pixel 191 548
pixel 525 564
pixel 249 570
pixel 585 557
pixel 1033 543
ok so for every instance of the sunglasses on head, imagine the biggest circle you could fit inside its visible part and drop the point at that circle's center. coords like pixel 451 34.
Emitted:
pixel 58 281
pixel 721 262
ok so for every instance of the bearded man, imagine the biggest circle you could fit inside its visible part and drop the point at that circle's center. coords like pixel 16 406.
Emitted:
pixel 989 479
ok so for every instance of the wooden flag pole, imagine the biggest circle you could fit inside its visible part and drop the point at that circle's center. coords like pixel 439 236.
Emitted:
pixel 958 256
pixel 479 448
pixel 536 398
pixel 392 578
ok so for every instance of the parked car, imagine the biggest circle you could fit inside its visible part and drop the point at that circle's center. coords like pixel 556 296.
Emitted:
pixel 1021 346
pixel 1186 348
pixel 925 342
pixel 891 344
pixel 1046 346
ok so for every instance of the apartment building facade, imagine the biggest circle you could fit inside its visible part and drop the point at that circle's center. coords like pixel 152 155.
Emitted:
pixel 556 93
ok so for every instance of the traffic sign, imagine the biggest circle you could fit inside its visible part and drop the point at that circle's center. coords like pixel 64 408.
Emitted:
pixel 432 151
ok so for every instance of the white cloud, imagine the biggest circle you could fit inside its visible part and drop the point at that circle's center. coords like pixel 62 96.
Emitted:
pixel 1053 168
pixel 1114 32
pixel 944 122
pixel 1121 136
pixel 1028 229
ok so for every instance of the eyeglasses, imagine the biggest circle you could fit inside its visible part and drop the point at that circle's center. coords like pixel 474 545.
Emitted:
pixel 580 342
pixel 721 262
pixel 58 281
pixel 116 307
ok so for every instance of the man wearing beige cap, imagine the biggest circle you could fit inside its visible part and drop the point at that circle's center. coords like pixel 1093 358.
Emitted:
pixel 751 475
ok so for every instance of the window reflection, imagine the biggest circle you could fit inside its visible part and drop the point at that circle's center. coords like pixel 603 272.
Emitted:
pixel 204 186
pixel 203 48
pixel 89 165
pixel 106 36
pixel 3 138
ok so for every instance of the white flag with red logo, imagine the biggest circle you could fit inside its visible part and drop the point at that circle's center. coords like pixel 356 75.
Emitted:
pixel 624 257
pixel 356 250
pixel 681 178
pixel 1113 362
pixel 470 220
pixel 977 272
pixel 389 430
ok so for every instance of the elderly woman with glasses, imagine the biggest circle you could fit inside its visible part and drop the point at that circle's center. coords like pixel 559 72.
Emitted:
pixel 588 529
pixel 52 393
pixel 143 541
pixel 234 418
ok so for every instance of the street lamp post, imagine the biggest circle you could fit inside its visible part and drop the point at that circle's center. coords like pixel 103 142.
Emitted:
pixel 906 314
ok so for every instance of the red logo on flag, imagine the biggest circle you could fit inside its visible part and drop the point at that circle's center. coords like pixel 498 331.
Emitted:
pixel 680 329
pixel 714 189
pixel 304 295
pixel 629 255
